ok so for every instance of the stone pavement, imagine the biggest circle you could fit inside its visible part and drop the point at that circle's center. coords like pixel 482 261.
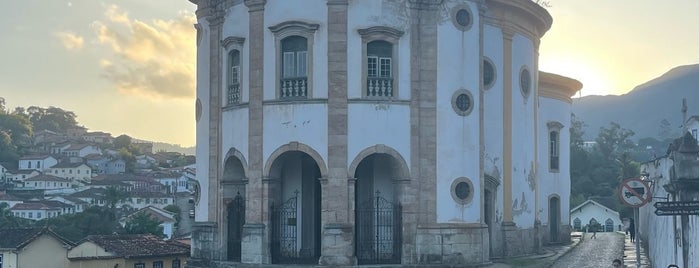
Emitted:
pixel 547 258
pixel 630 254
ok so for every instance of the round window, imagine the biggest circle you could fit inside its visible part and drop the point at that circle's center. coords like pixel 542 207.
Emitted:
pixel 197 109
pixel 462 190
pixel 525 81
pixel 461 16
pixel 488 73
pixel 462 102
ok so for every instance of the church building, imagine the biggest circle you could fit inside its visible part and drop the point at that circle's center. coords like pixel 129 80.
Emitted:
pixel 364 132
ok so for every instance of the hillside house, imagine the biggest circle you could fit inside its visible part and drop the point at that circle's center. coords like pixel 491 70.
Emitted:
pixel 36 211
pixel 692 126
pixel 33 247
pixel 76 132
pixel 47 182
pixel 137 251
pixel 17 177
pixel 98 137
pixel 77 204
pixel 77 173
pixel 591 212
pixel 44 136
pixel 9 199
pixel 81 150
pixel 37 162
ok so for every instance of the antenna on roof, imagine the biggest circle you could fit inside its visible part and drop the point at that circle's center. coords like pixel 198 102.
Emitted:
pixel 684 115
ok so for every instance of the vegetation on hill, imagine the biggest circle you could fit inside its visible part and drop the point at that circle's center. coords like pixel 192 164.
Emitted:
pixel 595 173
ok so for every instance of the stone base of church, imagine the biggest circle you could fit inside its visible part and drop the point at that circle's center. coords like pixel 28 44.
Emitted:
pixel 521 242
pixel 338 249
pixel 563 235
pixel 452 244
pixel 204 248
pixel 255 246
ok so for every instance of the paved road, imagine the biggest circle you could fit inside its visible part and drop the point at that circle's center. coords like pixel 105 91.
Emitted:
pixel 598 252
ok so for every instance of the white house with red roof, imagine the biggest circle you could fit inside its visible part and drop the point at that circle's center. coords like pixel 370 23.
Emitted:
pixel 47 182
pixel 17 177
pixel 591 212
pixel 77 173
pixel 166 218
pixel 38 162
pixel 9 199
pixel 81 150
pixel 35 211
pixel 98 137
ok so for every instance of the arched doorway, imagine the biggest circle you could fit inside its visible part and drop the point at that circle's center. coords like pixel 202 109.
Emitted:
pixel 233 188
pixel 609 225
pixel 378 218
pixel 554 218
pixel 295 209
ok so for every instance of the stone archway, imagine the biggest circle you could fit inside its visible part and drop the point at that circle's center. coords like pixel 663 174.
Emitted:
pixel 295 204
pixel 378 210
pixel 233 187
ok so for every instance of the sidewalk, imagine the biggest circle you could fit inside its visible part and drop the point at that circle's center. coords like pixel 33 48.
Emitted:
pixel 630 254
pixel 549 254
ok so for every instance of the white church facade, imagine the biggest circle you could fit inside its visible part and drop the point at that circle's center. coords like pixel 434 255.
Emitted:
pixel 338 132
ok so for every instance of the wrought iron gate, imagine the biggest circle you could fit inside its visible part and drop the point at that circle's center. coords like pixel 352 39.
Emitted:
pixel 236 220
pixel 285 231
pixel 379 231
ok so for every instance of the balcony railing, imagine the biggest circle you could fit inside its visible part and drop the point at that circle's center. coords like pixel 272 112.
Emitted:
pixel 379 87
pixel 233 94
pixel 294 88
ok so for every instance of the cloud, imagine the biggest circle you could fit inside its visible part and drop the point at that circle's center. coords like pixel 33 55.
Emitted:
pixel 148 58
pixel 70 40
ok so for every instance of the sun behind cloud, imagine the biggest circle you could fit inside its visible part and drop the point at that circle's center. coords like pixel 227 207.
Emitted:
pixel 150 59
pixel 70 40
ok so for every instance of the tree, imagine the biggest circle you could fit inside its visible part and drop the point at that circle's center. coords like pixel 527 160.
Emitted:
pixel 94 220
pixel 7 220
pixel 613 141
pixel 113 196
pixel 52 118
pixel 141 223
pixel 15 136
pixel 122 141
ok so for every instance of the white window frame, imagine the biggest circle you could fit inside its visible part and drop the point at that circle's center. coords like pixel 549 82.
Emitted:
pixel 380 33
pixel 294 28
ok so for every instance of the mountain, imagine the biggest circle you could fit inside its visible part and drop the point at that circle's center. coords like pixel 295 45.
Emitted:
pixel 644 108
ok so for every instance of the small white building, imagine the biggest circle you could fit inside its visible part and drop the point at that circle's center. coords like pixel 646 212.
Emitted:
pixel 77 173
pixel 38 162
pixel 35 211
pixel 81 150
pixel 77 204
pixel 590 212
pixel 17 177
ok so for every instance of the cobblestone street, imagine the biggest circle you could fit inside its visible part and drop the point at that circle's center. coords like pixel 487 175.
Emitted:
pixel 598 252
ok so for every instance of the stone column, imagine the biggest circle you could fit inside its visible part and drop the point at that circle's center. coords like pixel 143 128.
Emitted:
pixel 255 248
pixel 337 236
pixel 424 15
pixel 508 225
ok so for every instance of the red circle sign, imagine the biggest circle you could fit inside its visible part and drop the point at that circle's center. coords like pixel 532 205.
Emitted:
pixel 634 192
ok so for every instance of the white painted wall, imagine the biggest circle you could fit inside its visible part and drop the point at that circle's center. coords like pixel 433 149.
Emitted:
pixel 660 231
pixel 202 151
pixel 369 124
pixel 235 132
pixel 493 114
pixel 458 137
pixel 303 123
pixel 550 183
pixel 523 137
pixel 279 11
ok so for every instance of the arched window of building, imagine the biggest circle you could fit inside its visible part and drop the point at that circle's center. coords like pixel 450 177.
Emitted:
pixel 609 225
pixel 379 52
pixel 554 144
pixel 233 95
pixel 553 150
pixel 294 41
pixel 576 224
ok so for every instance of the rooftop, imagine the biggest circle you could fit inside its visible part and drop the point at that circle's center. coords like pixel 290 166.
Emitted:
pixel 138 246
pixel 16 238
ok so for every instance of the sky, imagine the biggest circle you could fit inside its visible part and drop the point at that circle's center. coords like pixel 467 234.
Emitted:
pixel 127 66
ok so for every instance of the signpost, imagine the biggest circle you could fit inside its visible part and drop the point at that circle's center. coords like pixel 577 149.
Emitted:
pixel 635 193
pixel 676 208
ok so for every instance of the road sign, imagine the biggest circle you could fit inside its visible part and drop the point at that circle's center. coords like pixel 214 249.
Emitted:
pixel 634 192
pixel 677 208
pixel 676 205
pixel 679 211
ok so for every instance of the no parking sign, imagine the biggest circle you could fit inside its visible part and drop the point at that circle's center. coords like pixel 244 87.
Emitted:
pixel 634 192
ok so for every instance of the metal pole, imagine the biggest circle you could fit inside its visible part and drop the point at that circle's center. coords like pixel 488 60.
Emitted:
pixel 637 236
